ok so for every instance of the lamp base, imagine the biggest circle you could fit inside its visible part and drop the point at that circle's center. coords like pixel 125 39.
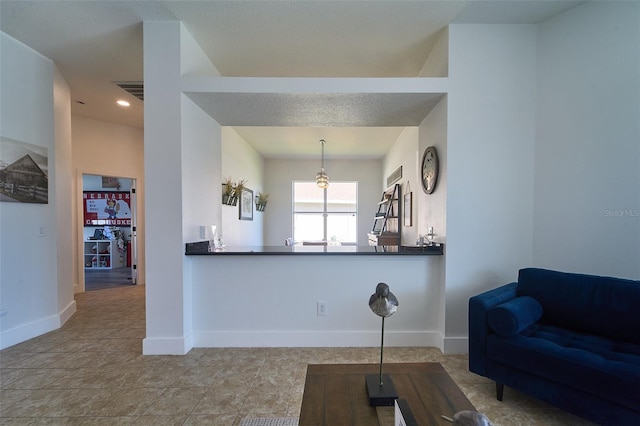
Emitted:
pixel 380 395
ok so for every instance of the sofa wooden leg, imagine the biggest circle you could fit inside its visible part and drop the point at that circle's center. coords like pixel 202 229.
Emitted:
pixel 499 391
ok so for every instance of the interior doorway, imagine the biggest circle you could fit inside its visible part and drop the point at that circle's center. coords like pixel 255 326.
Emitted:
pixel 108 250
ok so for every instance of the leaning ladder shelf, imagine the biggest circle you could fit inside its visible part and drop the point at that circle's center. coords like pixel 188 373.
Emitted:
pixel 386 223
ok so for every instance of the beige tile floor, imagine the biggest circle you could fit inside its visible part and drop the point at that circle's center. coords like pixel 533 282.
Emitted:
pixel 92 372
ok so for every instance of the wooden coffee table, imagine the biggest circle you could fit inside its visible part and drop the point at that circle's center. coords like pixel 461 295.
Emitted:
pixel 336 394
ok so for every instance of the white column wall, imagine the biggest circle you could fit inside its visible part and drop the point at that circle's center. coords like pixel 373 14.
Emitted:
pixel 431 209
pixel 165 292
pixel 63 196
pixel 587 192
pixel 490 150
pixel 182 175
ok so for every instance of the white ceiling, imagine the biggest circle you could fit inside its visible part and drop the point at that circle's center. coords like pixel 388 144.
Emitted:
pixel 97 43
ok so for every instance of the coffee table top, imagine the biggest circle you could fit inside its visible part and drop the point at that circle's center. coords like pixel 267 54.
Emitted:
pixel 336 394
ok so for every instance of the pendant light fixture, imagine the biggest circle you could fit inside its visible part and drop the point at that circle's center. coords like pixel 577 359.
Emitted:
pixel 322 180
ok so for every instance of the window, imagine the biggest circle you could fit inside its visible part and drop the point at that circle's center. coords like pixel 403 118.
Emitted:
pixel 325 215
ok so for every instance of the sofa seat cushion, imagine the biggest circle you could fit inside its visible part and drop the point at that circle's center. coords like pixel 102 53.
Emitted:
pixel 606 368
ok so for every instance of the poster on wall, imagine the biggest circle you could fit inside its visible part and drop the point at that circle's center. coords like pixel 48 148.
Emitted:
pixel 110 182
pixel 24 172
pixel 106 208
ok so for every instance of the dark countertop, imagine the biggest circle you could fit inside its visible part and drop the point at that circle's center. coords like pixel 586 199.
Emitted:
pixel 202 248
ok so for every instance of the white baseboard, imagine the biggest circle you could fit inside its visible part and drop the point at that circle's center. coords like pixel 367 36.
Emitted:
pixel 167 345
pixel 221 339
pixel 36 328
pixel 28 331
pixel 456 346
pixel 67 312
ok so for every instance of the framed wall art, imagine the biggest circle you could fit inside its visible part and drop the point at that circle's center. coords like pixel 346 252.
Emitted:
pixel 245 205
pixel 407 209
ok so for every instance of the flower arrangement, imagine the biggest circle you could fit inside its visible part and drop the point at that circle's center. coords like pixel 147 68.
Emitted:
pixel 232 191
pixel 228 187
pixel 239 186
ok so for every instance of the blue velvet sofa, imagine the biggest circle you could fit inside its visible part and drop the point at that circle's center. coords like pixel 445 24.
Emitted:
pixel 571 340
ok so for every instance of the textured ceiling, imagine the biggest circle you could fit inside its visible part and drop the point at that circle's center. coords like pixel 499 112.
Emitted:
pixel 317 109
pixel 96 43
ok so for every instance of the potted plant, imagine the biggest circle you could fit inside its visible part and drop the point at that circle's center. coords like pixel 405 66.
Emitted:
pixel 261 201
pixel 238 187
pixel 228 192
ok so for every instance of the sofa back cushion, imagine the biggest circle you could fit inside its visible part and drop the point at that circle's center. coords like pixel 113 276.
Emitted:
pixel 603 306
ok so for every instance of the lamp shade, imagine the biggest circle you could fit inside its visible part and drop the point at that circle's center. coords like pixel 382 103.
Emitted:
pixel 322 180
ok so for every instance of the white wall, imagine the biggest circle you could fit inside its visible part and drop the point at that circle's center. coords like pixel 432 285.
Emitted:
pixel 166 290
pixel 63 195
pixel 403 153
pixel 33 109
pixel 106 149
pixel 491 171
pixel 183 174
pixel 241 161
pixel 587 193
pixel 490 151
pixel 280 175
pixel 431 209
pixel 437 64
pixel 201 164
pixel 265 300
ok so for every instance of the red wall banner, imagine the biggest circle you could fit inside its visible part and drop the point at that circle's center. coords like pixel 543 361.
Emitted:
pixel 106 208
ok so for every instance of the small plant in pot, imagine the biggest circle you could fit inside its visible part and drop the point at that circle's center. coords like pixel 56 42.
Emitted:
pixel 238 187
pixel 229 197
pixel 261 201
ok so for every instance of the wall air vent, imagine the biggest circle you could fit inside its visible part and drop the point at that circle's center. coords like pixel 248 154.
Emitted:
pixel 394 177
pixel 135 88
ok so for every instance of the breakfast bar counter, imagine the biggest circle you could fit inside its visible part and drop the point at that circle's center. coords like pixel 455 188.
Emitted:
pixel 203 248
pixel 309 295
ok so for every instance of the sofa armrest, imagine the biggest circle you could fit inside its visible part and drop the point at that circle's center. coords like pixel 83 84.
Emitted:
pixel 479 305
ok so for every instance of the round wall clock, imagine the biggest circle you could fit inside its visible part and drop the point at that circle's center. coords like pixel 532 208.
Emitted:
pixel 429 169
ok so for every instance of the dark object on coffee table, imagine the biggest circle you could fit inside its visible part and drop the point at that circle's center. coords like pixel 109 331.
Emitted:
pixel 380 387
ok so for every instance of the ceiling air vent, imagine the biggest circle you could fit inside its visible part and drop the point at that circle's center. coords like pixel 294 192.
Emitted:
pixel 135 88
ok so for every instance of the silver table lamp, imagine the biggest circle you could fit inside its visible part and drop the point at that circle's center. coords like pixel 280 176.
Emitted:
pixel 380 388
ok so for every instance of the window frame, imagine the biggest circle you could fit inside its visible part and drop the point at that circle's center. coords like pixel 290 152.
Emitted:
pixel 325 210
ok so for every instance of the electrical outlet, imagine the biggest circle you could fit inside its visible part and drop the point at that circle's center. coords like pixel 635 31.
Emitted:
pixel 322 308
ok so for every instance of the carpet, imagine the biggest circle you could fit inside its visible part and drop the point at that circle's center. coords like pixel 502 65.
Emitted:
pixel 276 421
